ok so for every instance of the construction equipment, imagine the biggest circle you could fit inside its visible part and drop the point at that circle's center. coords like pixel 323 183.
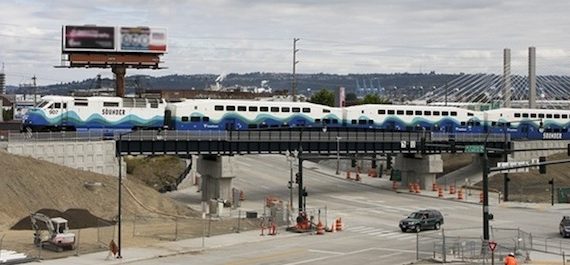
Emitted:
pixel 58 237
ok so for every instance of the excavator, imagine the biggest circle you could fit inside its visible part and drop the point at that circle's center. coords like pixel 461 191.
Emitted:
pixel 58 237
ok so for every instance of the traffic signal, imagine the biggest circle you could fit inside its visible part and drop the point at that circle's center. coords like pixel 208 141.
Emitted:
pixel 388 162
pixel 542 168
pixel 353 162
pixel 297 177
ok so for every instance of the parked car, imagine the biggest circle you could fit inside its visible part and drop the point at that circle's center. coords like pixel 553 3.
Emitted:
pixel 564 227
pixel 421 220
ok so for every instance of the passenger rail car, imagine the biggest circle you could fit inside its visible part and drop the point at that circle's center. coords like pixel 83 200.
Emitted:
pixel 62 113
pixel 208 114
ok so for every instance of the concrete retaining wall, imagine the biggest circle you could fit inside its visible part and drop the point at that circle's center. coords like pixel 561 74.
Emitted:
pixel 94 156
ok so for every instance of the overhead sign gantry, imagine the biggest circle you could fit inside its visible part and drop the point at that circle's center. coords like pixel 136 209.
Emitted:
pixel 117 48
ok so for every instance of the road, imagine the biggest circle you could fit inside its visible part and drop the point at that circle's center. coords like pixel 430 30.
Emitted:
pixel 370 213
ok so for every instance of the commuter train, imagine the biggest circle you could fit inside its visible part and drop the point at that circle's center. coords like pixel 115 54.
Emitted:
pixel 113 113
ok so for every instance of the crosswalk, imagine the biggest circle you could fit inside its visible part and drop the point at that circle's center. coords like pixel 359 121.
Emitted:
pixel 385 207
pixel 382 233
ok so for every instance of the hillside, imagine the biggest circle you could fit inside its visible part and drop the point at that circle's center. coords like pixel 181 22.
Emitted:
pixel 28 185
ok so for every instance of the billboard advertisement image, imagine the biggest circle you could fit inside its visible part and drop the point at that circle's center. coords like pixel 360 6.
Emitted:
pixel 142 39
pixel 88 38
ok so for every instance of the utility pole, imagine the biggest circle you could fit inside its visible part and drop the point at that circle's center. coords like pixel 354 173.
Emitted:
pixel 295 62
pixel 35 90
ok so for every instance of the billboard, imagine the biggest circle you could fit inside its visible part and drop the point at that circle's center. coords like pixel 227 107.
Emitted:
pixel 114 39
pixel 88 38
pixel 142 39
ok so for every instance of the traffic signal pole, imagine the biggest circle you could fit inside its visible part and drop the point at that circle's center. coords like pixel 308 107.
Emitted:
pixel 300 182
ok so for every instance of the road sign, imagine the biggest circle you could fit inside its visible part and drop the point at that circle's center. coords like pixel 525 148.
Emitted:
pixel 513 164
pixel 492 245
pixel 474 149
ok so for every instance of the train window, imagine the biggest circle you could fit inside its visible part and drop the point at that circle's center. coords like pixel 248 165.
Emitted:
pixel 418 113
pixel 317 120
pixel 518 115
pixel 184 118
pixel 252 126
pixel 444 113
pixel 79 103
pixel 533 115
pixel 353 122
pixel 274 109
pixel 253 108
pixel 274 126
pixel 195 119
pixel 436 113
pixel 525 115
pixel 462 123
pixel 285 125
pixel 57 105
pixel 218 107
pixel 264 109
pixel 110 104
pixel 242 108
pixel 470 114
pixel 371 122
pixel 334 121
pixel 296 109
pixel 306 110
pixel 140 103
pixel 154 105
pixel 361 122
pixel 326 110
pixel 454 113
pixel 477 123
pixel 556 116
pixel 400 112
pixel 409 112
pixel 285 109
pixel 391 112
pixel 564 116
pixel 381 111
pixel 205 119
pixel 541 115
pixel 263 125
pixel 326 121
pixel 427 113
pixel 494 123
pixel 230 108
pixel 564 130
pixel 549 116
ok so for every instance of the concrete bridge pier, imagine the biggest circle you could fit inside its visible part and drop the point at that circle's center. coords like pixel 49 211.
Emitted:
pixel 216 177
pixel 417 168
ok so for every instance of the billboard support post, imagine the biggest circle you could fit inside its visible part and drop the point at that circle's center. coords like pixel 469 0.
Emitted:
pixel 119 71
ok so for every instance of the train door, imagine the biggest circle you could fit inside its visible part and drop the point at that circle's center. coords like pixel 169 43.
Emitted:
pixel 64 116
pixel 524 130
pixel 230 124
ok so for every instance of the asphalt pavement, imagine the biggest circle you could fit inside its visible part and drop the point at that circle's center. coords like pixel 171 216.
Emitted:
pixel 199 246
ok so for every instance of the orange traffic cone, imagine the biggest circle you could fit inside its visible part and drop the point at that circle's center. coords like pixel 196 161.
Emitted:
pixel 481 197
pixel 417 187
pixel 241 196
pixel 434 187
pixel 348 175
pixel 339 224
pixel 333 226
pixel 440 192
pixel 452 189
pixel 460 194
pixel 320 229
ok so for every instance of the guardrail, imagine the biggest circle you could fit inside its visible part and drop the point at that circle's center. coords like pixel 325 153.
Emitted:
pixel 256 135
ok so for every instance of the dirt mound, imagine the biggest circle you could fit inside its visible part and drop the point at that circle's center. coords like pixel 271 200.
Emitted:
pixel 28 185
pixel 155 171
pixel 77 219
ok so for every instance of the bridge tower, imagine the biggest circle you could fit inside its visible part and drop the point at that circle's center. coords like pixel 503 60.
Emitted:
pixel 532 77
pixel 507 78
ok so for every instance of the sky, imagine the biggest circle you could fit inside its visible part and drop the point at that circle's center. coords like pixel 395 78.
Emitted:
pixel 339 37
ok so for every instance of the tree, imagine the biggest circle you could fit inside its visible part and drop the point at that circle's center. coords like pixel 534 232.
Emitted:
pixel 323 97
pixel 351 97
pixel 374 99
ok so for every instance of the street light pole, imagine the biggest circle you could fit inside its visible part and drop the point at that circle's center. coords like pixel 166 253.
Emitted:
pixel 119 196
pixel 505 159
pixel 485 195
pixel 338 154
